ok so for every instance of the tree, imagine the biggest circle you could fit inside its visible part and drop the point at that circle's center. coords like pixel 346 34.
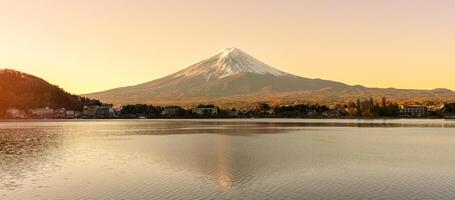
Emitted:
pixel 449 108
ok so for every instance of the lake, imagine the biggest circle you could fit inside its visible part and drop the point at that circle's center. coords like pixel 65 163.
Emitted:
pixel 227 159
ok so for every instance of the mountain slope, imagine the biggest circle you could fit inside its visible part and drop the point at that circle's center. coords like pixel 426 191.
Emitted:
pixel 25 91
pixel 232 75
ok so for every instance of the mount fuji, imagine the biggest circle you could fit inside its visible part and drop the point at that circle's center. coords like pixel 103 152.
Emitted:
pixel 231 76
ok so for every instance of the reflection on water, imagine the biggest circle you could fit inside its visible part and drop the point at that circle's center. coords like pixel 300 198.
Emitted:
pixel 23 151
pixel 228 159
pixel 223 173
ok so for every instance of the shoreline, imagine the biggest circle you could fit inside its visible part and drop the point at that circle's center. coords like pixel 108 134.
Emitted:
pixel 237 118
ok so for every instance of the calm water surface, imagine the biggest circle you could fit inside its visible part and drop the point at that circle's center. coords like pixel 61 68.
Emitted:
pixel 228 159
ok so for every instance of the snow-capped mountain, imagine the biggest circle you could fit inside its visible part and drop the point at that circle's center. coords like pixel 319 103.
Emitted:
pixel 229 62
pixel 232 75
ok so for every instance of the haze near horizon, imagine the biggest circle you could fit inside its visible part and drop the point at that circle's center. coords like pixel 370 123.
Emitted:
pixel 90 46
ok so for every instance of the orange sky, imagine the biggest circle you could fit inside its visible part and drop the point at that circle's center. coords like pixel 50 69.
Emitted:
pixel 92 45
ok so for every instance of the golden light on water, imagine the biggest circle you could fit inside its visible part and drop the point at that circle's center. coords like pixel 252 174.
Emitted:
pixel 223 165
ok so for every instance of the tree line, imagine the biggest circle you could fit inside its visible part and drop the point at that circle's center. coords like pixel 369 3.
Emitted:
pixel 360 108
pixel 23 91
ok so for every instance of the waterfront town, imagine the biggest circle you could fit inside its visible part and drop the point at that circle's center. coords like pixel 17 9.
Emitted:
pixel 367 108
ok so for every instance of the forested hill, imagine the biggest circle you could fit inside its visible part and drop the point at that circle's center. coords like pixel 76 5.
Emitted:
pixel 25 91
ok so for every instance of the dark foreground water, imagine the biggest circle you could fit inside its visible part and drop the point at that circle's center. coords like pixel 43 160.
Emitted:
pixel 244 159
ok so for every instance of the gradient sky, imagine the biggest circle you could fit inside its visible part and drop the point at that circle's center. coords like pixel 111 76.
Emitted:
pixel 92 45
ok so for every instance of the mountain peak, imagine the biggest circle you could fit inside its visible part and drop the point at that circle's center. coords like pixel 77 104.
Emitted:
pixel 229 62
pixel 228 52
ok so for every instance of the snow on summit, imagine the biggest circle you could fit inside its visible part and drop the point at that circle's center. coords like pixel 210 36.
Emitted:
pixel 229 62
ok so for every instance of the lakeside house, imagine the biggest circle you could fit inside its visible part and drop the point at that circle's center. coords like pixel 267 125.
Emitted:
pixel 89 111
pixel 98 112
pixel 71 114
pixel 49 113
pixel 105 111
pixel 415 110
pixel 205 109
pixel 42 113
pixel 15 113
pixel 60 113
pixel 170 110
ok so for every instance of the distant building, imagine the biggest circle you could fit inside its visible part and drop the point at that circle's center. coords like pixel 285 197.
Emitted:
pixel 15 113
pixel 89 111
pixel 60 113
pixel 205 109
pixel 105 111
pixel 415 110
pixel 42 113
pixel 71 114
pixel 117 111
pixel 435 108
pixel 170 110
